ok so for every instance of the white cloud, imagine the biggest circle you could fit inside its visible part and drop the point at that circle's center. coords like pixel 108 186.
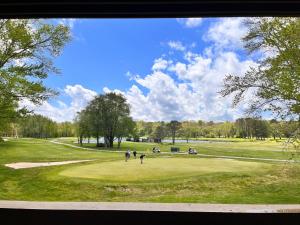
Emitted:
pixel 190 22
pixel 130 75
pixel 177 45
pixel 79 96
pixel 195 70
pixel 165 100
pixel 107 90
pixel 185 90
pixel 226 33
pixel 179 68
pixel 192 95
pixel 160 64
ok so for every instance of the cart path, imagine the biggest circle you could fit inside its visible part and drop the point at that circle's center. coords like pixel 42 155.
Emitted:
pixel 90 149
pixel 184 153
pixel 173 207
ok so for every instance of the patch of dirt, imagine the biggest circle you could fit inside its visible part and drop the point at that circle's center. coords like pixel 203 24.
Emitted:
pixel 24 165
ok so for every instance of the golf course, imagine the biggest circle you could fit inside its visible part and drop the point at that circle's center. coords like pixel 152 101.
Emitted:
pixel 150 110
pixel 240 171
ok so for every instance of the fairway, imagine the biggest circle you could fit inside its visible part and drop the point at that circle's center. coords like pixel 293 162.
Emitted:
pixel 159 169
pixel 162 177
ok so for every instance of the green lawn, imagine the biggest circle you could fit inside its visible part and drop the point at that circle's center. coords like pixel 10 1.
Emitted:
pixel 162 177
pixel 157 169
pixel 252 148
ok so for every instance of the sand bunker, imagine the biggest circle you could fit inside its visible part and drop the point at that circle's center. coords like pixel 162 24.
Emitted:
pixel 24 165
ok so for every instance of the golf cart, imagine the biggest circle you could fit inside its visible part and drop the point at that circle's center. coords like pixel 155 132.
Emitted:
pixel 175 149
pixel 156 150
pixel 192 151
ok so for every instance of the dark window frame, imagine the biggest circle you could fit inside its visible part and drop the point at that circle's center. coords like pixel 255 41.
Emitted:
pixel 146 8
pixel 129 217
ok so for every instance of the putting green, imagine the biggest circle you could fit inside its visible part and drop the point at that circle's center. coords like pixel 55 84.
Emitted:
pixel 159 168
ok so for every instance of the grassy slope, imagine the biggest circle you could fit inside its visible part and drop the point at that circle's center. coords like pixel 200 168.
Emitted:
pixel 278 183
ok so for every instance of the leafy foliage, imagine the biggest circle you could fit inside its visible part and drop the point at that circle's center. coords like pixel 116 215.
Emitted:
pixel 27 50
pixel 173 128
pixel 275 82
pixel 106 116
pixel 38 126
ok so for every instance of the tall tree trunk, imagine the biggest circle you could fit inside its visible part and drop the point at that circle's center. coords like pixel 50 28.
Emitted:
pixel 119 141
pixel 80 140
pixel 106 142
pixel 111 141
pixel 98 141
pixel 173 138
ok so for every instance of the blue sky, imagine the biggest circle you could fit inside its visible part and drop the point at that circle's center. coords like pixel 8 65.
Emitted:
pixel 166 68
pixel 105 50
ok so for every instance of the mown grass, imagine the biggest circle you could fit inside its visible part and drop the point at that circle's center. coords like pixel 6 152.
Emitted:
pixel 215 181
pixel 246 148
pixel 157 169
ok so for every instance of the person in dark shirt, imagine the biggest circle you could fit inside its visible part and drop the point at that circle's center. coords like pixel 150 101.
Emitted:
pixel 134 154
pixel 127 155
pixel 142 157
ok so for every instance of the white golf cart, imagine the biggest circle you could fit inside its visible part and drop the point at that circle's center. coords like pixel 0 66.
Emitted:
pixel 192 151
pixel 156 150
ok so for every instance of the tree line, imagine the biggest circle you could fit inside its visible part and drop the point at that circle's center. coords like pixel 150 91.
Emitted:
pixel 38 126
pixel 107 117
pixel 248 128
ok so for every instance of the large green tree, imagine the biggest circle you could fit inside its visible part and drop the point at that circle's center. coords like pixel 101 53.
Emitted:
pixel 27 50
pixel 173 128
pixel 126 128
pixel 159 132
pixel 83 126
pixel 275 82
pixel 186 130
pixel 107 116
pixel 114 110
pixel 93 118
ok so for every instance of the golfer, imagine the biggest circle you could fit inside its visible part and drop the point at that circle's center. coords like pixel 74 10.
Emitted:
pixel 142 157
pixel 134 154
pixel 127 155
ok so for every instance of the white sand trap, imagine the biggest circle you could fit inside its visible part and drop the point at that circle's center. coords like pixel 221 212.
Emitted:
pixel 24 165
